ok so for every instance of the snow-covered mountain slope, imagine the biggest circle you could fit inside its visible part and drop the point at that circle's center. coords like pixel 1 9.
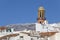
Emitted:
pixel 32 26
pixel 20 27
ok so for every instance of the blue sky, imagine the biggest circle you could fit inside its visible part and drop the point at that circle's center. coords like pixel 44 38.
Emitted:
pixel 25 11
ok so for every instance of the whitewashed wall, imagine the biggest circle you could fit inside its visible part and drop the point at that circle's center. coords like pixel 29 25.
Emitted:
pixel 55 37
pixel 14 38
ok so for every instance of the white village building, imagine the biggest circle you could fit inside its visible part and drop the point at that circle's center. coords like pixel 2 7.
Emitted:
pixel 41 30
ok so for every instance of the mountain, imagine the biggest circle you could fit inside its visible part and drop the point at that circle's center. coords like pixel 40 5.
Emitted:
pixel 20 27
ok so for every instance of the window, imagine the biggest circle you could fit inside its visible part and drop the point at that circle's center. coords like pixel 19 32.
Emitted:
pixel 21 36
pixel 31 38
pixel 28 34
pixel 40 14
pixel 8 30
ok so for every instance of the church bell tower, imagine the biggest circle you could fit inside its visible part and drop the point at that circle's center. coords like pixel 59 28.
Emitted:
pixel 41 15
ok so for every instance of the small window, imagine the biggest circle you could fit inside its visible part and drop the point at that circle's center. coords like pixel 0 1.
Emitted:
pixel 40 22
pixel 40 14
pixel 28 34
pixel 32 39
pixel 21 36
pixel 8 30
